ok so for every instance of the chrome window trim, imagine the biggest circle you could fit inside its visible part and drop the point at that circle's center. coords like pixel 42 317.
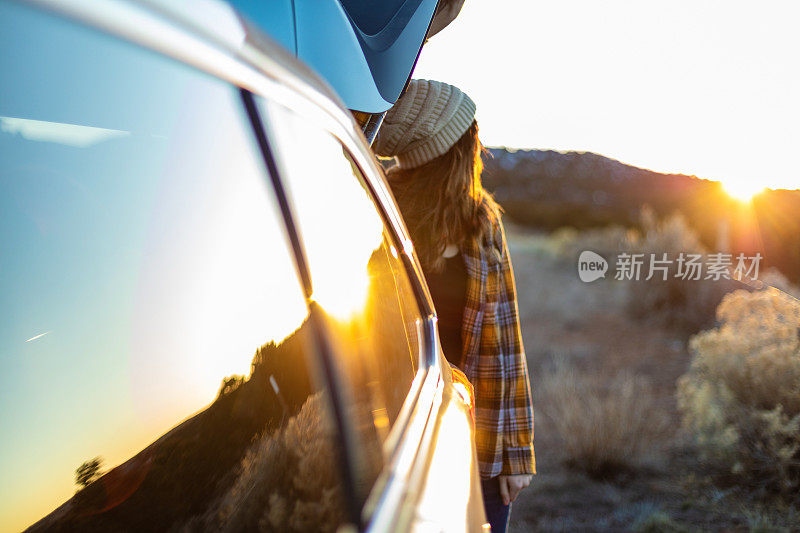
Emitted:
pixel 406 446
pixel 404 474
pixel 376 180
pixel 410 440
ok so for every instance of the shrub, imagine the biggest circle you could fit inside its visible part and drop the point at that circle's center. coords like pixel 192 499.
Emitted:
pixel 657 521
pixel 741 397
pixel 608 242
pixel 605 428
pixel 683 304
pixel 288 480
pixel 758 522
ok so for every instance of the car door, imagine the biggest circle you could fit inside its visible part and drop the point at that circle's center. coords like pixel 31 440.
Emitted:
pixel 158 356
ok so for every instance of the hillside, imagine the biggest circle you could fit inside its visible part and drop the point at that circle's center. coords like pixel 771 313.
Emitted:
pixel 547 190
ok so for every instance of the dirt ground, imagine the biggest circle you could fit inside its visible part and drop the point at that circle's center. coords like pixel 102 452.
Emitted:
pixel 586 325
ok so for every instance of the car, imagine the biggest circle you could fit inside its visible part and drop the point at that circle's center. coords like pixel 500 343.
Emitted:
pixel 212 314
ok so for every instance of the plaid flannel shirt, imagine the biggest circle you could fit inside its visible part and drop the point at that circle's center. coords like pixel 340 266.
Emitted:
pixel 494 359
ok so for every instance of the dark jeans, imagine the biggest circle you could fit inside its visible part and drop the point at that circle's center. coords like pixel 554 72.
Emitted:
pixel 496 512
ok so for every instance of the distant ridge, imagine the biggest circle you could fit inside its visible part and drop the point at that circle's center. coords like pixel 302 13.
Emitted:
pixel 547 189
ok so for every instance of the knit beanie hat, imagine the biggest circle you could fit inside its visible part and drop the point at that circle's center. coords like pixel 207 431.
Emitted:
pixel 424 123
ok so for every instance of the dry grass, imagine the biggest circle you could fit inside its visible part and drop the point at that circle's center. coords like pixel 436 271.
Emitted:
pixel 589 325
pixel 605 427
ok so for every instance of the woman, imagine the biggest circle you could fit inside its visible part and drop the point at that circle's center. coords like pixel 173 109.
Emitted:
pixel 459 238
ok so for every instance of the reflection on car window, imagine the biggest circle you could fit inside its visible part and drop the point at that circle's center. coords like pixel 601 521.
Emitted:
pixel 154 337
pixel 356 272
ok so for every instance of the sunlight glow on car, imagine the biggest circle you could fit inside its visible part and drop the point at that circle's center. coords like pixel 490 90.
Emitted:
pixel 445 497
pixel 338 265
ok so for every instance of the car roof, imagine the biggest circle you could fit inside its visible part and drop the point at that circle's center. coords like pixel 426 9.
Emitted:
pixel 365 50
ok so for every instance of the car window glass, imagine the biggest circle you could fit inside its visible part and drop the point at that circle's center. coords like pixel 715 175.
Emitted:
pixel 154 341
pixel 357 276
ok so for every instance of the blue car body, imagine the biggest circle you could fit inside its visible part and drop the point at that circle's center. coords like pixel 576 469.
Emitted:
pixel 364 50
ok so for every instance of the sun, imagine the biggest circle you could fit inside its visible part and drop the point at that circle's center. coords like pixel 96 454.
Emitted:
pixel 744 191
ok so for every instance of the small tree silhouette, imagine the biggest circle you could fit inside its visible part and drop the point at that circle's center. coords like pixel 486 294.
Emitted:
pixel 88 471
pixel 230 384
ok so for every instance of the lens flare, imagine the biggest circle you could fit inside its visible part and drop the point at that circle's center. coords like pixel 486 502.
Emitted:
pixel 744 191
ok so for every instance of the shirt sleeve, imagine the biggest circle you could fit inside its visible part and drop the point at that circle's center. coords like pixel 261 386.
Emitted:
pixel 518 455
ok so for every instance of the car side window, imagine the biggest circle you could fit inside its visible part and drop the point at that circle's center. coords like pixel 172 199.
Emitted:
pixel 156 359
pixel 357 274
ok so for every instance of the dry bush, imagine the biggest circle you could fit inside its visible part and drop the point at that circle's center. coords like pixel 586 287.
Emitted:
pixel 683 304
pixel 288 480
pixel 605 426
pixel 656 521
pixel 671 234
pixel 741 396
pixel 568 243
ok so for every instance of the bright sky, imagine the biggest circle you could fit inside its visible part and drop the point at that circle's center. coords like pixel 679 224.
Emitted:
pixel 701 87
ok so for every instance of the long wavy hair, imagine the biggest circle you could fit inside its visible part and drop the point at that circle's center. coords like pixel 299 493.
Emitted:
pixel 443 201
